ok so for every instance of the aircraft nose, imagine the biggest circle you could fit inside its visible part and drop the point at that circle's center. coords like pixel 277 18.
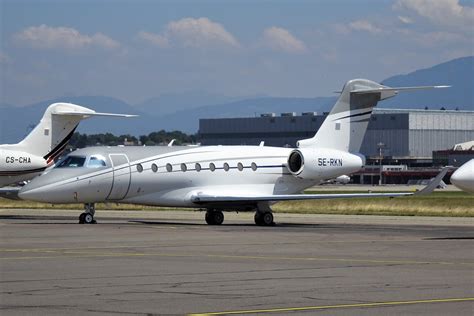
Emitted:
pixel 460 179
pixel 31 194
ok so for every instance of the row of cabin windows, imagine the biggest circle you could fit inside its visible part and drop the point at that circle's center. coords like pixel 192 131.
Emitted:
pixel 198 167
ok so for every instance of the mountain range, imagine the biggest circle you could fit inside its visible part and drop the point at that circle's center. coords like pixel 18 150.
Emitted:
pixel 182 111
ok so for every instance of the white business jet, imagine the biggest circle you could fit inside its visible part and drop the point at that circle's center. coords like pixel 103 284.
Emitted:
pixel 463 178
pixel 220 178
pixel 47 141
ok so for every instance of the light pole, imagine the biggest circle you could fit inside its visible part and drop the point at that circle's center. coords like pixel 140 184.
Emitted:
pixel 380 147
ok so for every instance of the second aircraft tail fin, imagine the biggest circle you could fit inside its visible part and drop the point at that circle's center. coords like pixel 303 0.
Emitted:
pixel 50 137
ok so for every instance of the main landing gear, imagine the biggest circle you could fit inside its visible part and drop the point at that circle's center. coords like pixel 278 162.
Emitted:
pixel 264 215
pixel 88 216
pixel 214 217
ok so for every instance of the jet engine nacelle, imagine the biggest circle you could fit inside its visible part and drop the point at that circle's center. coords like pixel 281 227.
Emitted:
pixel 321 163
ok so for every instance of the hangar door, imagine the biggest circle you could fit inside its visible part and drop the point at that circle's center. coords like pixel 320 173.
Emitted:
pixel 121 176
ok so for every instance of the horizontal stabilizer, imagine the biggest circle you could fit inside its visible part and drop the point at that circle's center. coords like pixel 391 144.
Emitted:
pixel 88 114
pixel 396 89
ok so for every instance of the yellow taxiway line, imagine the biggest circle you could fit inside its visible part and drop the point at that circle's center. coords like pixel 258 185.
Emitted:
pixel 358 305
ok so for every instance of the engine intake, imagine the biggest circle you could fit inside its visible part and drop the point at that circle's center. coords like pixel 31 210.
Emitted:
pixel 295 162
pixel 322 163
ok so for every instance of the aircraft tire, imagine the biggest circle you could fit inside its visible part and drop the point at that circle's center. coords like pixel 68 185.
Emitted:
pixel 258 218
pixel 218 217
pixel 89 218
pixel 214 217
pixel 267 219
pixel 264 218
pixel 209 218
pixel 81 218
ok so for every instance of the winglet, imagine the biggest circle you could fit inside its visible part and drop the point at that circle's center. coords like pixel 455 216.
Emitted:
pixel 434 182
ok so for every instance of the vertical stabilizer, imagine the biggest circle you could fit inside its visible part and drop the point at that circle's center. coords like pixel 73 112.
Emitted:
pixel 345 126
pixel 50 137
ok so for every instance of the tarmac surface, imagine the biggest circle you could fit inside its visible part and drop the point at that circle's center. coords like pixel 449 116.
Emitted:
pixel 172 263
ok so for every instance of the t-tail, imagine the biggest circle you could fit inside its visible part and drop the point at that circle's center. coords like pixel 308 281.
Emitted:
pixel 345 126
pixel 50 137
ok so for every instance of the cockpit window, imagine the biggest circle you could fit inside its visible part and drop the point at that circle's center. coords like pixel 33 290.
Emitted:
pixel 96 161
pixel 72 162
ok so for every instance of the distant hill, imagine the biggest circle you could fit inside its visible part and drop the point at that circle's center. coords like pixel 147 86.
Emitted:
pixel 182 111
pixel 459 73
pixel 168 103
pixel 188 120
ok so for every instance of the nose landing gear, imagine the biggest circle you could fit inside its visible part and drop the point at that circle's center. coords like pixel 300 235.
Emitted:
pixel 88 216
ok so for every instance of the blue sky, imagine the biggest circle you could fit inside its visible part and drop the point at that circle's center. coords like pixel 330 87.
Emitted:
pixel 134 50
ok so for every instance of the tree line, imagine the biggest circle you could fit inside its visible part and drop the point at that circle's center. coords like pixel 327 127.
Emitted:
pixel 162 137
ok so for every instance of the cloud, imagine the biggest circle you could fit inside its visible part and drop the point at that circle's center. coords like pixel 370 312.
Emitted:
pixel 281 39
pixel 442 12
pixel 4 58
pixel 47 37
pixel 191 32
pixel 200 32
pixel 365 26
pixel 405 20
pixel 154 39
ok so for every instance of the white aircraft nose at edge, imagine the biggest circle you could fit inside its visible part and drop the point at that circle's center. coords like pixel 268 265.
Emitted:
pixel 463 178
pixel 38 150
pixel 221 178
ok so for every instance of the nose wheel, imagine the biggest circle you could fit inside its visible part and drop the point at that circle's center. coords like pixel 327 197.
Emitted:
pixel 88 216
pixel 214 217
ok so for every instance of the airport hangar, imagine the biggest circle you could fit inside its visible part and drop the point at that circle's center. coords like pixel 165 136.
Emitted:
pixel 412 143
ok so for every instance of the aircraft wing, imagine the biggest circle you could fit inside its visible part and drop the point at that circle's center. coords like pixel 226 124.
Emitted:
pixel 203 198
pixel 10 193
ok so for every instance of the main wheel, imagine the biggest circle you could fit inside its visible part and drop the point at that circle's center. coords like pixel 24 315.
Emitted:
pixel 209 218
pixel 258 218
pixel 88 218
pixel 218 217
pixel 267 219
pixel 81 218
pixel 214 217
pixel 264 219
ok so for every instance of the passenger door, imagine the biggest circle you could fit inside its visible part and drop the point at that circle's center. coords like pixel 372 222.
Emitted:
pixel 121 176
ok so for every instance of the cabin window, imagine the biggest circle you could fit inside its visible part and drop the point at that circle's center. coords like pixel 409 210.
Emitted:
pixel 96 162
pixel 72 162
pixel 139 167
pixel 212 166
pixel 226 166
pixel 254 166
pixel 197 166
pixel 154 167
pixel 240 166
pixel 169 167
pixel 183 167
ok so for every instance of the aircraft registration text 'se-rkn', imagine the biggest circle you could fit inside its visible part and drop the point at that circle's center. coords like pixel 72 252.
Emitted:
pixel 219 178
